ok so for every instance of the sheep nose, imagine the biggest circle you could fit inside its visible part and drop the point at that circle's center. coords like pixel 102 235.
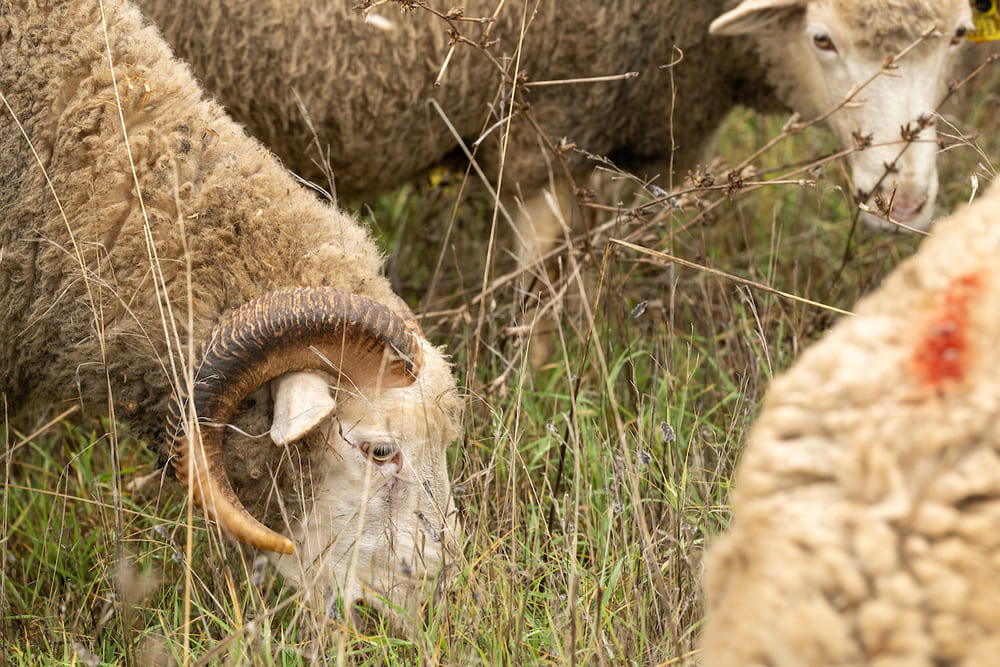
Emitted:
pixel 907 206
pixel 905 209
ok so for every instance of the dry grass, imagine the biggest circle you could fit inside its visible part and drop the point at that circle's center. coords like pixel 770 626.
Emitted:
pixel 588 486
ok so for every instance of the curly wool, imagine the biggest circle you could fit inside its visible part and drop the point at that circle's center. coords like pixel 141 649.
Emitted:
pixel 365 85
pixel 866 504
pixel 86 261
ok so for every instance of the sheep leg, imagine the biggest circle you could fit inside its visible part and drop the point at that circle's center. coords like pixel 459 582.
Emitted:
pixel 541 222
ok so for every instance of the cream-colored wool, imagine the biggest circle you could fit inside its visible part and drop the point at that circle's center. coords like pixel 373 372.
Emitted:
pixel 866 506
pixel 209 216
pixel 365 85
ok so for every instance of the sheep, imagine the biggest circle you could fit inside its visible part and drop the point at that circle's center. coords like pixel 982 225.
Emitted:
pixel 141 224
pixel 866 503
pixel 360 82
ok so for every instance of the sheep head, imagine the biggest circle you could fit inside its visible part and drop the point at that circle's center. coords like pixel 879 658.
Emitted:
pixel 363 381
pixel 818 54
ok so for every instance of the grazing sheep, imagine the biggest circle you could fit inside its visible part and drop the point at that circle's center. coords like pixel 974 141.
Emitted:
pixel 867 502
pixel 364 81
pixel 118 259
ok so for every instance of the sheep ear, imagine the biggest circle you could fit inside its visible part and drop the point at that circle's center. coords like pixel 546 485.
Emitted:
pixel 753 16
pixel 301 401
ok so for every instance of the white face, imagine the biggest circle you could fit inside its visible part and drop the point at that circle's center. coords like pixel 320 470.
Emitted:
pixel 907 97
pixel 382 524
pixel 818 52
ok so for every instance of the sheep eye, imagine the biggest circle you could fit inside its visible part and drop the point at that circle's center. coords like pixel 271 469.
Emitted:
pixel 379 452
pixel 823 42
pixel 961 33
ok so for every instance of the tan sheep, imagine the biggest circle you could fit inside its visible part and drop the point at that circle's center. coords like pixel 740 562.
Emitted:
pixel 364 81
pixel 866 505
pixel 118 258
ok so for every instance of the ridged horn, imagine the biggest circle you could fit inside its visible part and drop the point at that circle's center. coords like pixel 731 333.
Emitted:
pixel 319 328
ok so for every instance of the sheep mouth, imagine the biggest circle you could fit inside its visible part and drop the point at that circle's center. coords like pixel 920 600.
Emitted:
pixel 907 213
pixel 889 211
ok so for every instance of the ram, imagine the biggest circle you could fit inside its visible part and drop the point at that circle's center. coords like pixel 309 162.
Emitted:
pixel 318 73
pixel 866 503
pixel 157 265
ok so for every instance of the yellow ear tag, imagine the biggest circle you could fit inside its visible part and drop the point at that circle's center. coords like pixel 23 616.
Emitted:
pixel 987 21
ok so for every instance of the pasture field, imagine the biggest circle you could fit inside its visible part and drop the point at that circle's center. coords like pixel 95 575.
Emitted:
pixel 589 484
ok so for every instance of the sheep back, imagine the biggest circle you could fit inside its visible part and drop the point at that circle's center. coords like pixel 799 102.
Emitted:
pixel 365 87
pixel 866 504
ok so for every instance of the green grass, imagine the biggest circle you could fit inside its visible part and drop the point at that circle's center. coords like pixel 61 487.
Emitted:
pixel 645 413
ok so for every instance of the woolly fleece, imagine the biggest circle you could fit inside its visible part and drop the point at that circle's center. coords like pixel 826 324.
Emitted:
pixel 867 502
pixel 366 87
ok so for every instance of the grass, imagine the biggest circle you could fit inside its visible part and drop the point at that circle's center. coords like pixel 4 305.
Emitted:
pixel 589 487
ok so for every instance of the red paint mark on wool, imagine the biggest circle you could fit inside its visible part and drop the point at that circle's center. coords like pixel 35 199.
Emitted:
pixel 942 354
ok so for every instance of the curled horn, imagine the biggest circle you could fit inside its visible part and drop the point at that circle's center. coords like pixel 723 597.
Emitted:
pixel 319 328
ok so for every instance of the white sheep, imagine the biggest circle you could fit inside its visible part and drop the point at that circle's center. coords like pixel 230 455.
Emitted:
pixel 364 84
pixel 138 221
pixel 866 504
